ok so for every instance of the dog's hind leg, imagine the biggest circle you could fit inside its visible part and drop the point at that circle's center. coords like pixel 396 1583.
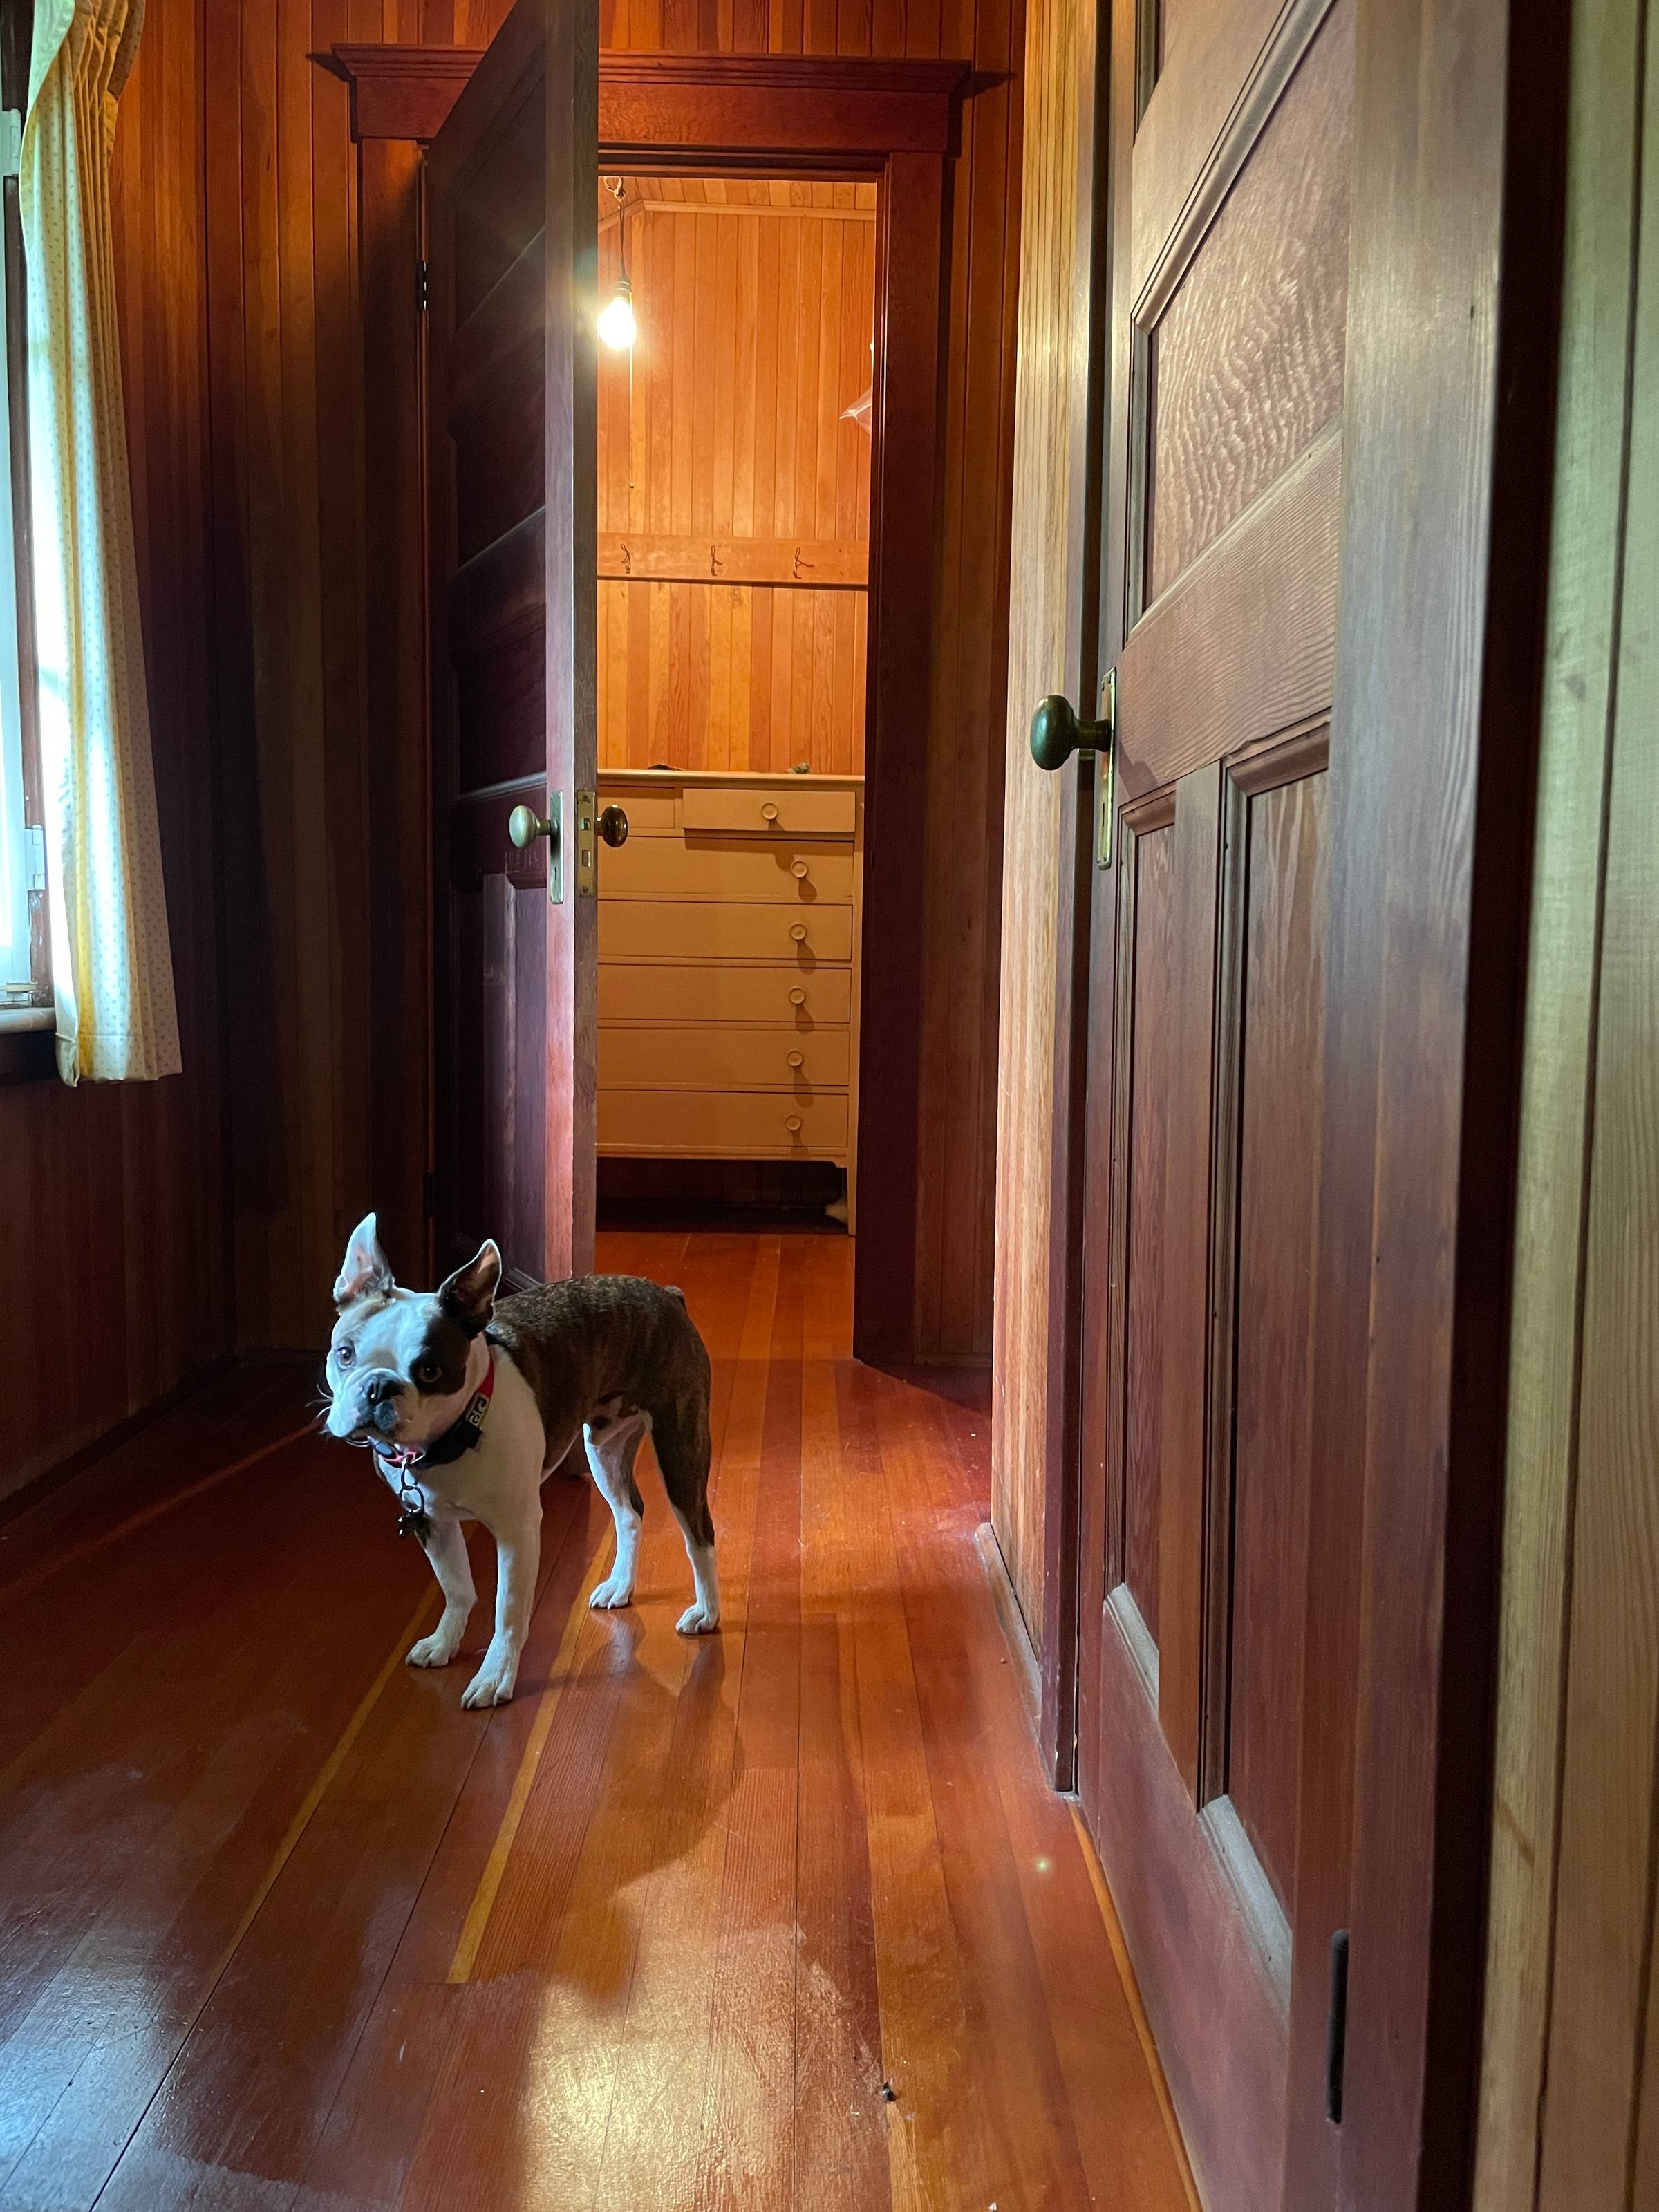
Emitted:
pixel 446 1548
pixel 612 1448
pixel 680 1433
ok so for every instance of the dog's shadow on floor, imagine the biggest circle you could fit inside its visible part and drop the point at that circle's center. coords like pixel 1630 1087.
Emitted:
pixel 641 1759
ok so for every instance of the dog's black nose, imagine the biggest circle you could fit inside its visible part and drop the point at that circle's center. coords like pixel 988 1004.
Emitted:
pixel 378 1386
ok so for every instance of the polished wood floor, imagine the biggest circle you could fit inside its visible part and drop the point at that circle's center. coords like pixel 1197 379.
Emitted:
pixel 283 1927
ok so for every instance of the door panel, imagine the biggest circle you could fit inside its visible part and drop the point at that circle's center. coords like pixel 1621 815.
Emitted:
pixel 1202 1181
pixel 511 203
pixel 1273 994
pixel 1245 363
pixel 1146 1082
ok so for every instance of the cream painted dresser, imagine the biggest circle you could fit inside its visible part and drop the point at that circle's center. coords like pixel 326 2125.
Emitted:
pixel 729 966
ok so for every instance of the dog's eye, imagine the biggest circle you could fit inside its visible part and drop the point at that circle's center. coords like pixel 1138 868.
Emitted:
pixel 427 1371
pixel 343 1355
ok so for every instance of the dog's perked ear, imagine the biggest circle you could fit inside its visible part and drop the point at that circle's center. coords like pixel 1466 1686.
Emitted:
pixel 364 1267
pixel 469 1296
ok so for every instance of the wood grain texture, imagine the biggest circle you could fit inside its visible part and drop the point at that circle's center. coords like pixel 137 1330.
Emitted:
pixel 1048 534
pixel 1181 1319
pixel 1279 1047
pixel 124 1185
pixel 1568 2112
pixel 1559 1103
pixel 722 445
pixel 1448 431
pixel 653 1936
pixel 1244 645
pixel 1246 360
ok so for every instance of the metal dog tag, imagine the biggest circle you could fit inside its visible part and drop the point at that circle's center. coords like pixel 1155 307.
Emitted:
pixel 415 1520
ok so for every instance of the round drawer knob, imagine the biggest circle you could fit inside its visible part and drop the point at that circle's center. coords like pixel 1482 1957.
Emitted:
pixel 797 996
pixel 798 870
pixel 797 1059
pixel 798 931
pixel 768 814
pixel 794 1125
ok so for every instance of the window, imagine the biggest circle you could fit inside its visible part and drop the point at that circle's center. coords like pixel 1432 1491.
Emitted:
pixel 22 845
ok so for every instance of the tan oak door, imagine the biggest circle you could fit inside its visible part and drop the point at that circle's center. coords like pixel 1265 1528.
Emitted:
pixel 512 204
pixel 1229 258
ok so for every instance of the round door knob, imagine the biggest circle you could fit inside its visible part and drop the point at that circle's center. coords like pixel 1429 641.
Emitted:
pixel 1056 732
pixel 797 996
pixel 768 814
pixel 797 1059
pixel 798 870
pixel 794 1125
pixel 613 827
pixel 799 932
pixel 524 825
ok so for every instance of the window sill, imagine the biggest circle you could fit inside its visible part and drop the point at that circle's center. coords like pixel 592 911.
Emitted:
pixel 28 1044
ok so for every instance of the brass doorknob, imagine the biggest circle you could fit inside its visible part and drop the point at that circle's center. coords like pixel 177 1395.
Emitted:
pixel 524 825
pixel 613 826
pixel 1056 732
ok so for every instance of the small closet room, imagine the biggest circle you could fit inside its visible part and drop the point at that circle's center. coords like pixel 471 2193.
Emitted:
pixel 734 469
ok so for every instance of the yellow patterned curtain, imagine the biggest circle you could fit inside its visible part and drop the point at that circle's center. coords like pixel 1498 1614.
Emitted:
pixel 112 964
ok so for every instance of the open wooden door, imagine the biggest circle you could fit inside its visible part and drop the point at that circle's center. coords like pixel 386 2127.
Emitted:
pixel 512 201
pixel 1230 261
pixel 1334 264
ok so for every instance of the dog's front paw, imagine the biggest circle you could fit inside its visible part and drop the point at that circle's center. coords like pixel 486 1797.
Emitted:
pixel 698 1621
pixel 493 1683
pixel 616 1591
pixel 435 1650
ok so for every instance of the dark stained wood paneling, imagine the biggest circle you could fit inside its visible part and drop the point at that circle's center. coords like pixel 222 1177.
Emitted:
pixel 112 1217
pixel 1247 358
pixel 1279 1047
pixel 305 759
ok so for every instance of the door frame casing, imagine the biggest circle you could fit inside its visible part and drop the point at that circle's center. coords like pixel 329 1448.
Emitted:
pixel 895 122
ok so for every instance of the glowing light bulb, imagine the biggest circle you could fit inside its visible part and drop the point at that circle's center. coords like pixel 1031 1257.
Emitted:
pixel 618 327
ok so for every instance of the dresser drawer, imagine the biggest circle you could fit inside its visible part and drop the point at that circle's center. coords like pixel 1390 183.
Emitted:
pixel 650 813
pixel 770 810
pixel 666 930
pixel 730 1124
pixel 727 1059
pixel 806 1000
pixel 727 868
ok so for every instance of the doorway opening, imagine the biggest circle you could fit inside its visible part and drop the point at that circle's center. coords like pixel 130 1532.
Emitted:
pixel 735 437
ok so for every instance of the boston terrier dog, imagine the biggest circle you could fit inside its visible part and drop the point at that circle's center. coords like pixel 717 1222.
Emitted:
pixel 467 1401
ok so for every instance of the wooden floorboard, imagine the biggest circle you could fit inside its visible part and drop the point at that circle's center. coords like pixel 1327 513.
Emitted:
pixel 782 1918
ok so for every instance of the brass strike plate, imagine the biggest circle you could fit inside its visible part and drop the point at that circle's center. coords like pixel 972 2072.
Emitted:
pixel 556 848
pixel 1106 775
pixel 588 844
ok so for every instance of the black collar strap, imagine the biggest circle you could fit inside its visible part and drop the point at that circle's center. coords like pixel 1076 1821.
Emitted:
pixel 460 1437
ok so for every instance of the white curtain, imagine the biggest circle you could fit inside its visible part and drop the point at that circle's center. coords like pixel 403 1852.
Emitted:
pixel 112 964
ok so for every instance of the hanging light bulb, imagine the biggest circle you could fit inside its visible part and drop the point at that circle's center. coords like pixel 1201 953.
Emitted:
pixel 858 412
pixel 617 327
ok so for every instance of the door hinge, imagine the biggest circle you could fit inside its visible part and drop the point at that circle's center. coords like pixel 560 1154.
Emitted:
pixel 37 857
pixel 429 1195
pixel 11 141
pixel 1336 2027
pixel 422 288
